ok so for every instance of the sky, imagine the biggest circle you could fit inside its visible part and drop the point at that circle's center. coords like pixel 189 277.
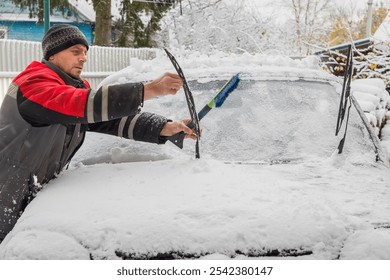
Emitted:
pixel 269 177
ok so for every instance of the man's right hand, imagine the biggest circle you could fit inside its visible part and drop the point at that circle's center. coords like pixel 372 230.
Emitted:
pixel 168 83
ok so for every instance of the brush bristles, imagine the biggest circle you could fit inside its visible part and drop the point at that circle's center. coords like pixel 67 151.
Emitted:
pixel 226 90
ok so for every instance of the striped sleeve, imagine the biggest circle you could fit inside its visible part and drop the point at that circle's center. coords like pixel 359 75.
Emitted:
pixel 112 102
pixel 145 127
pixel 43 103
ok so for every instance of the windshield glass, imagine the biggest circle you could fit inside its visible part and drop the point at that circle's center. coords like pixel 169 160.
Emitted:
pixel 272 121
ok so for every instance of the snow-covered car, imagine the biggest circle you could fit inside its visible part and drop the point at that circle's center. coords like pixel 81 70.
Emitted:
pixel 270 180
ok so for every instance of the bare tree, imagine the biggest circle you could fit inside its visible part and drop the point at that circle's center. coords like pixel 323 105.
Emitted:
pixel 218 25
pixel 311 18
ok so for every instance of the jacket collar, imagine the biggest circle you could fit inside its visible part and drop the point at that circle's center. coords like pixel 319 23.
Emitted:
pixel 77 83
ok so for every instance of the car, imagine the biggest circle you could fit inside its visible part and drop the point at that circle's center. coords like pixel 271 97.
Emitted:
pixel 270 181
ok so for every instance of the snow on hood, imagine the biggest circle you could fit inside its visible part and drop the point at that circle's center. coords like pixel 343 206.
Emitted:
pixel 191 208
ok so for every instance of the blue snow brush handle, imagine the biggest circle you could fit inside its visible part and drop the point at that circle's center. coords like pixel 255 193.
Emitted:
pixel 217 102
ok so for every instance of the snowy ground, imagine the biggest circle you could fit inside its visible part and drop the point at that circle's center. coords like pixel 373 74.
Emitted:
pixel 269 181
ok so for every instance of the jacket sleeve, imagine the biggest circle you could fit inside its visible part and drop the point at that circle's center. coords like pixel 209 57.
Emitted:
pixel 144 127
pixel 44 100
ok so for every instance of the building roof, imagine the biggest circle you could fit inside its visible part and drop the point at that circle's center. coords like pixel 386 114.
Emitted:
pixel 85 7
pixel 362 43
pixel 84 12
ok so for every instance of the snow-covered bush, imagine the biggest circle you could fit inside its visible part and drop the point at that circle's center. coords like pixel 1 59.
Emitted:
pixel 210 25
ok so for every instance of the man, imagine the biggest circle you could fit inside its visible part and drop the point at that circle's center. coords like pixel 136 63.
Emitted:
pixel 48 108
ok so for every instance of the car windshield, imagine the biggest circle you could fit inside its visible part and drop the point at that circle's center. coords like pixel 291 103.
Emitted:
pixel 273 121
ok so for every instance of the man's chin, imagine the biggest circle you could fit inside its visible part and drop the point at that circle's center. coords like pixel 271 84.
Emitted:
pixel 76 74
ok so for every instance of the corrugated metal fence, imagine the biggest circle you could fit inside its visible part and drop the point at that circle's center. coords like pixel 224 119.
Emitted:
pixel 15 55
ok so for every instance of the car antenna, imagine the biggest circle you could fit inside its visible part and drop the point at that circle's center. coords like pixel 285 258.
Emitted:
pixel 345 97
pixel 190 101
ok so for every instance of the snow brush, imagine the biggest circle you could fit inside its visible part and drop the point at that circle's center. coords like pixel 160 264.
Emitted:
pixel 216 102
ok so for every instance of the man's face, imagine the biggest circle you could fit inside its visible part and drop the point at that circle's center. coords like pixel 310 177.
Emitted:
pixel 71 60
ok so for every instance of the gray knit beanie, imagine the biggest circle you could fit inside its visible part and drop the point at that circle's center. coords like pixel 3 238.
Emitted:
pixel 60 37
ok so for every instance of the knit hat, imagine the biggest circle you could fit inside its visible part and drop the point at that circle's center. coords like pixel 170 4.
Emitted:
pixel 60 37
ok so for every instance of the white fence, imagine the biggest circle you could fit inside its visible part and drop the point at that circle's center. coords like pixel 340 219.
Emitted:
pixel 15 55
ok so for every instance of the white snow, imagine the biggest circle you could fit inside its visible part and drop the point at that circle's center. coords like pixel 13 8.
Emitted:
pixel 374 100
pixel 369 98
pixel 85 7
pixel 149 207
pixel 269 177
pixel 222 65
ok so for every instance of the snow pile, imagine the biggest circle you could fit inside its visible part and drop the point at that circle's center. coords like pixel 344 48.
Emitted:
pixel 375 102
pixel 222 65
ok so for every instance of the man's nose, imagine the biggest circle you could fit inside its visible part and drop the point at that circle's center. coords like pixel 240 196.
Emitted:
pixel 83 58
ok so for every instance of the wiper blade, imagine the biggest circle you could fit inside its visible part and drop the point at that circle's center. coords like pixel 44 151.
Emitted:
pixel 190 101
pixel 345 98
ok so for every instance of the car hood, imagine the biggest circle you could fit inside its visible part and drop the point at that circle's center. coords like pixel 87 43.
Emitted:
pixel 201 209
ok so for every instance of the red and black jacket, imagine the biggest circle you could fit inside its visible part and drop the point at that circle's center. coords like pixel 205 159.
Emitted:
pixel 43 120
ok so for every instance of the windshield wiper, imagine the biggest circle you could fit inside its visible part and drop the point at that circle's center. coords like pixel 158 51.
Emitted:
pixel 345 98
pixel 190 101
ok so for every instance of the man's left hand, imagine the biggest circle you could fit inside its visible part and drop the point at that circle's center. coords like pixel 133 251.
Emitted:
pixel 172 128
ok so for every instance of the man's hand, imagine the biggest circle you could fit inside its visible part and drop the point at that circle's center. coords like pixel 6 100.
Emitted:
pixel 168 83
pixel 172 128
